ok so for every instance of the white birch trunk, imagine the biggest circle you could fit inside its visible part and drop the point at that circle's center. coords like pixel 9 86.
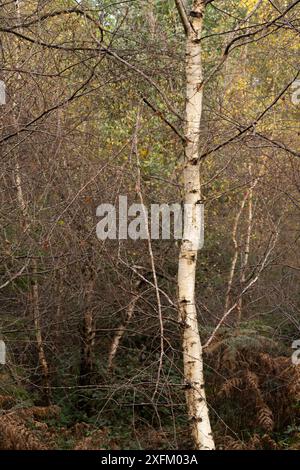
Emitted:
pixel 236 252
pixel 246 253
pixel 192 348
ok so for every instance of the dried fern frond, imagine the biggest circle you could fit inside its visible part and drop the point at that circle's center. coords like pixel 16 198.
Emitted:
pixel 230 386
pixel 254 443
pixel 92 442
pixel 14 435
pixel 233 444
pixel 267 362
pixel 265 417
pixel 39 412
pixel 269 443
pixel 7 401
pixel 252 381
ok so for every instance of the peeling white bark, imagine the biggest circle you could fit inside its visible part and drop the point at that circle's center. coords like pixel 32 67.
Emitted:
pixel 192 349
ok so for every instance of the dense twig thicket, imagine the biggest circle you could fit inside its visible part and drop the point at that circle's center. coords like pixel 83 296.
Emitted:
pixel 95 109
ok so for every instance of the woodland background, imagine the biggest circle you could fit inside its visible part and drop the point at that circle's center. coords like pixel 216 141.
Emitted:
pixel 77 75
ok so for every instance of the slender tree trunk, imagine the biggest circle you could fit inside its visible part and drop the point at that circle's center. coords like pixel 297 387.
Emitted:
pixel 150 16
pixel 122 328
pixel 245 256
pixel 248 197
pixel 34 295
pixel 88 338
pixel 236 252
pixel 191 343
pixel 38 334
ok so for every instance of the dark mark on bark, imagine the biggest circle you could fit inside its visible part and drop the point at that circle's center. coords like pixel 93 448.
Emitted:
pixel 196 14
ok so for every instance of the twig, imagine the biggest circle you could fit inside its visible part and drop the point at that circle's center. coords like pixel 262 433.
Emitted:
pixel 15 276
pixel 248 286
